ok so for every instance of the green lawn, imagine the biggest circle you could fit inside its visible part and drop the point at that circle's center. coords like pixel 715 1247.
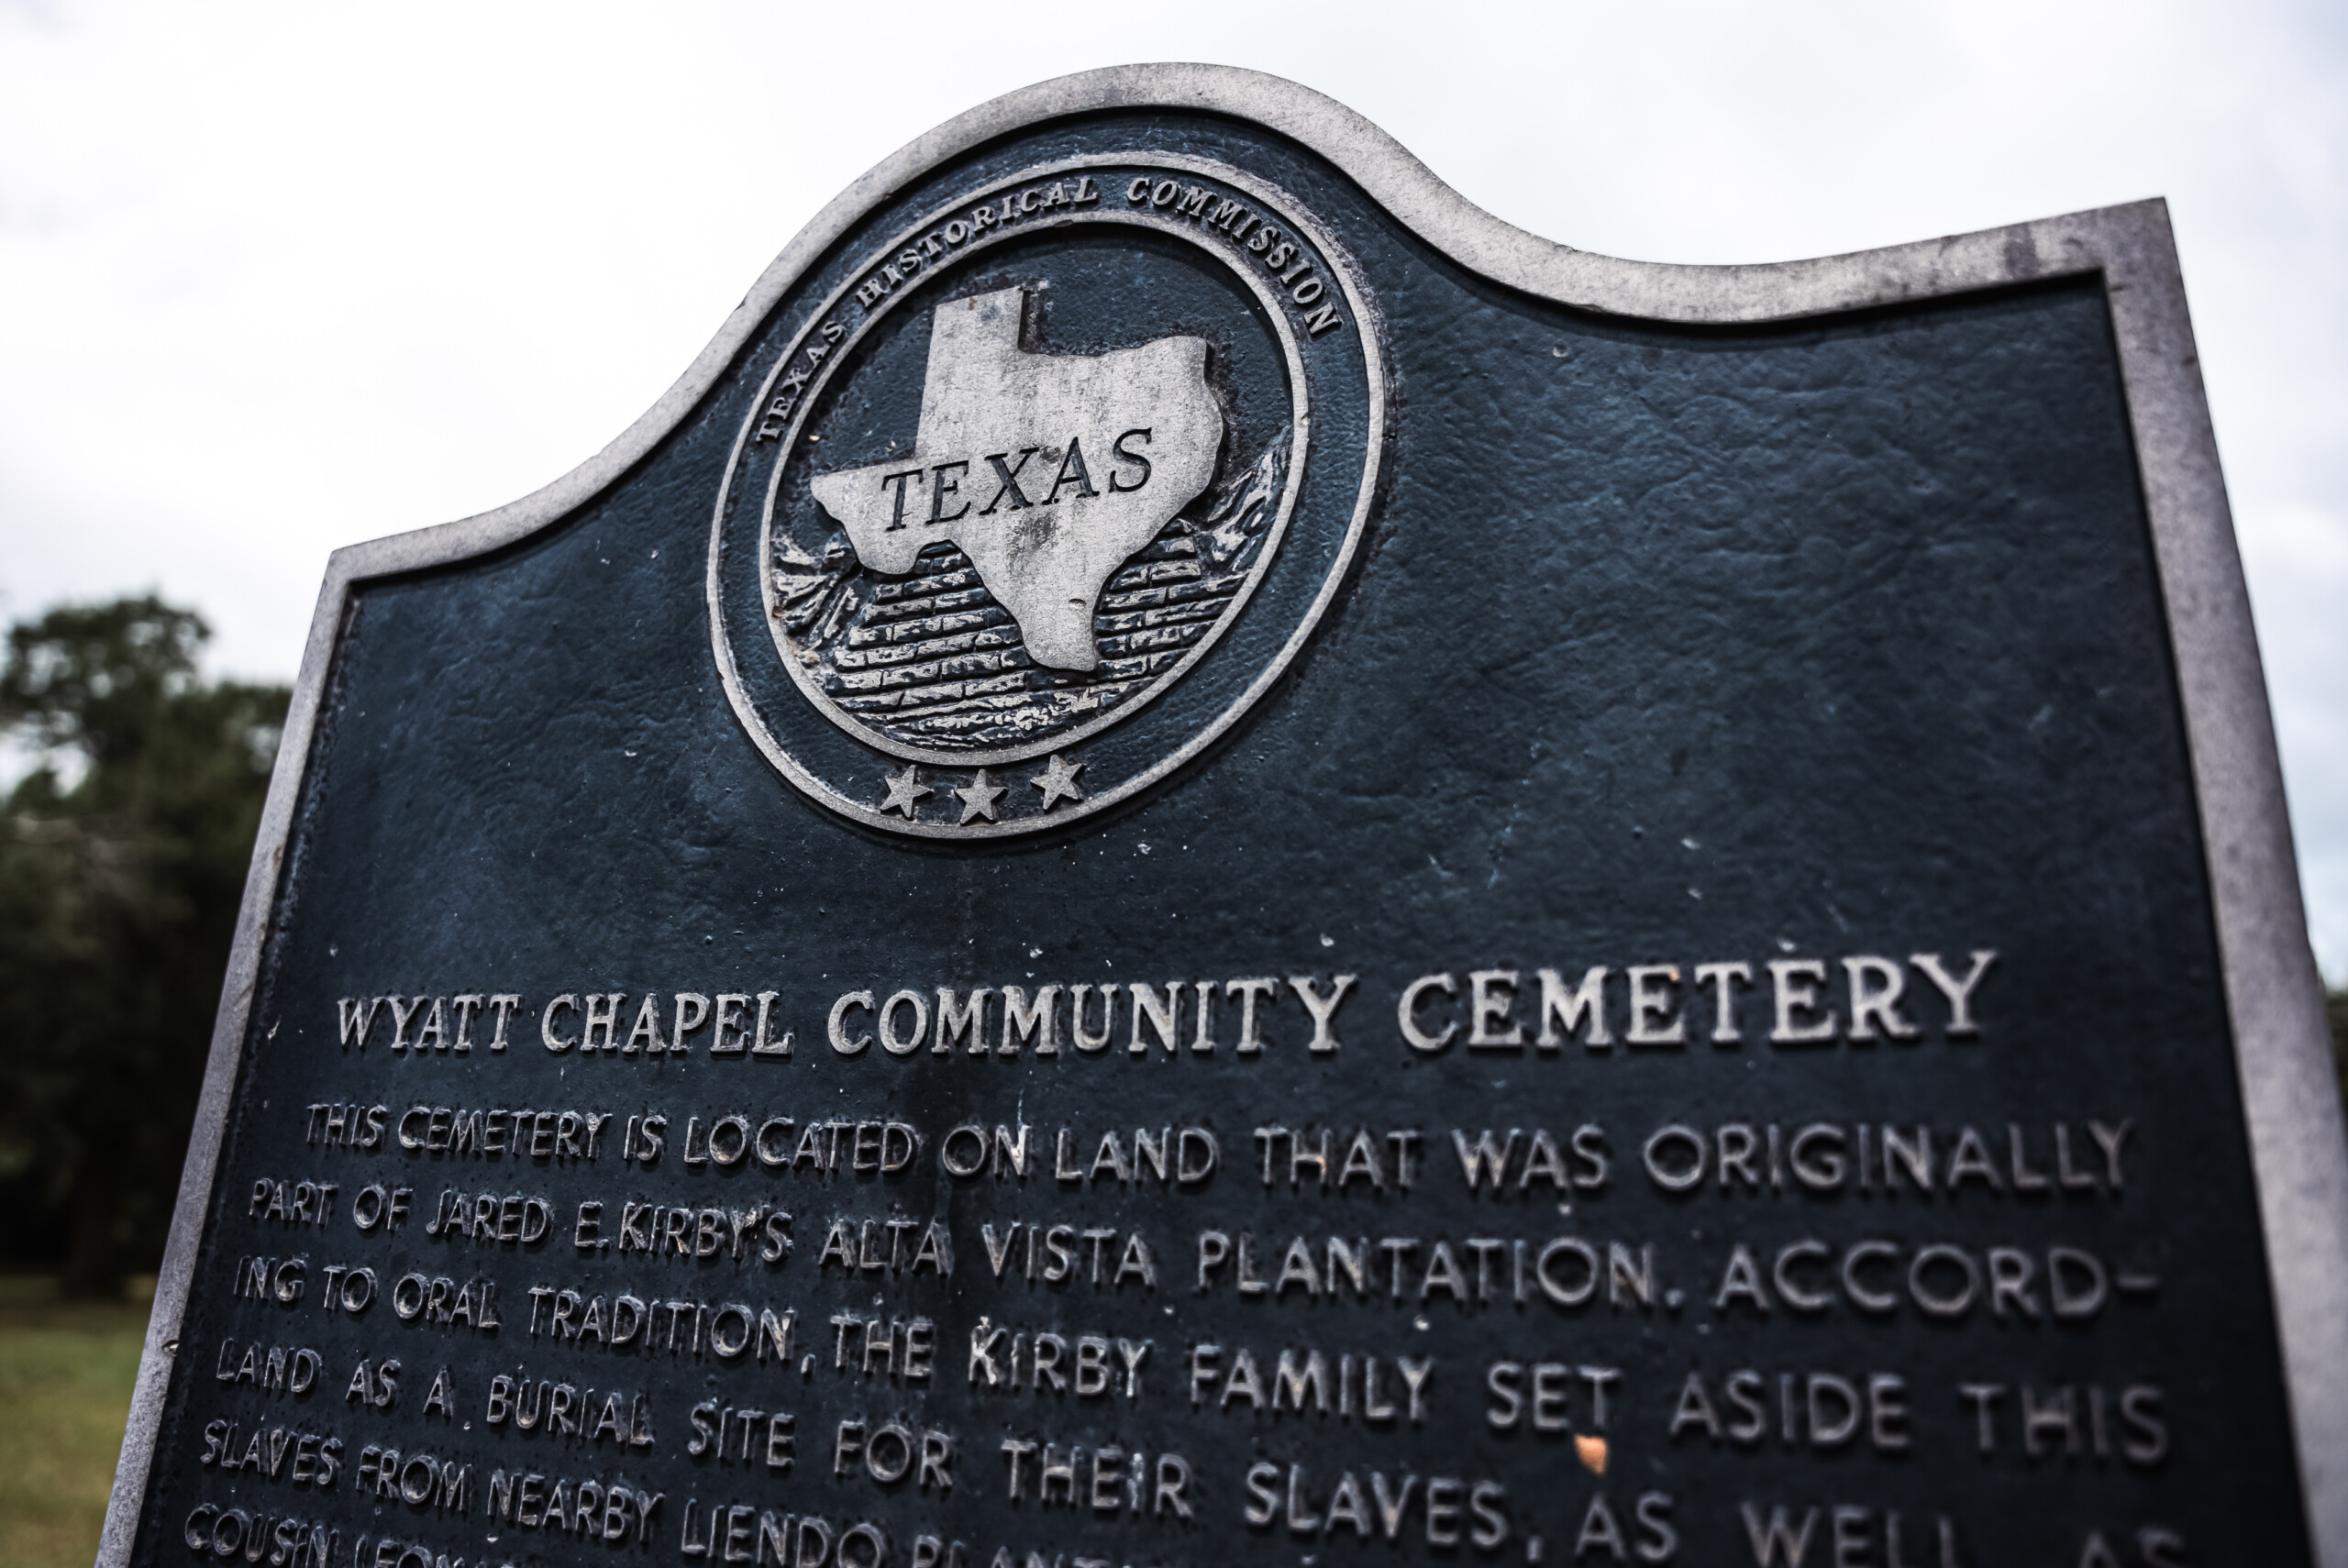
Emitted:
pixel 65 1377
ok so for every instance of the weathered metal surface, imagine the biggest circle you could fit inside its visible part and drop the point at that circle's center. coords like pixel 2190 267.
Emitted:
pixel 1643 915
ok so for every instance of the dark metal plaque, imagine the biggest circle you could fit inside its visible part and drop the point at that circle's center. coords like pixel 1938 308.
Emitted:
pixel 1198 859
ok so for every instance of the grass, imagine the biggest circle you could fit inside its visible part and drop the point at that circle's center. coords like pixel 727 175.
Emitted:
pixel 66 1371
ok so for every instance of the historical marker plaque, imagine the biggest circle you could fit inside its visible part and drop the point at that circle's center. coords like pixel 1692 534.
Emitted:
pixel 1198 859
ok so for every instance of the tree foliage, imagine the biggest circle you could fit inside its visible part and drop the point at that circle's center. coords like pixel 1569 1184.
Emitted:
pixel 122 863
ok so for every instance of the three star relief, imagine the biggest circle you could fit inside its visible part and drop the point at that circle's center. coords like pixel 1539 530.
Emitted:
pixel 1058 781
pixel 1048 470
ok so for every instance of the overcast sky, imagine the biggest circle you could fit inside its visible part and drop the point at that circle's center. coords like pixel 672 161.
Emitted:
pixel 277 277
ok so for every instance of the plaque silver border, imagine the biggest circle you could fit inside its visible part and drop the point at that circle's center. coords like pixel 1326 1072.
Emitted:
pixel 2274 997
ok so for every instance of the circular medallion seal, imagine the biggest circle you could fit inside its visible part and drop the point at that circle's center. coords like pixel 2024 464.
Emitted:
pixel 1046 494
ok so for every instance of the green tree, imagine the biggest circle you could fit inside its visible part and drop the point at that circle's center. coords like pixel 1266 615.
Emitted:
pixel 122 863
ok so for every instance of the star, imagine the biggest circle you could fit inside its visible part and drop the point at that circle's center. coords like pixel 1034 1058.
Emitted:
pixel 903 793
pixel 979 800
pixel 1058 781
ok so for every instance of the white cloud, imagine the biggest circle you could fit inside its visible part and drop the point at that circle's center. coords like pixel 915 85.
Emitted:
pixel 279 277
pixel 2298 555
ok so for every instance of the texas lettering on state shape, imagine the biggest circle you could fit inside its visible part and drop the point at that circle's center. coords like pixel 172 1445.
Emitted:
pixel 1042 539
